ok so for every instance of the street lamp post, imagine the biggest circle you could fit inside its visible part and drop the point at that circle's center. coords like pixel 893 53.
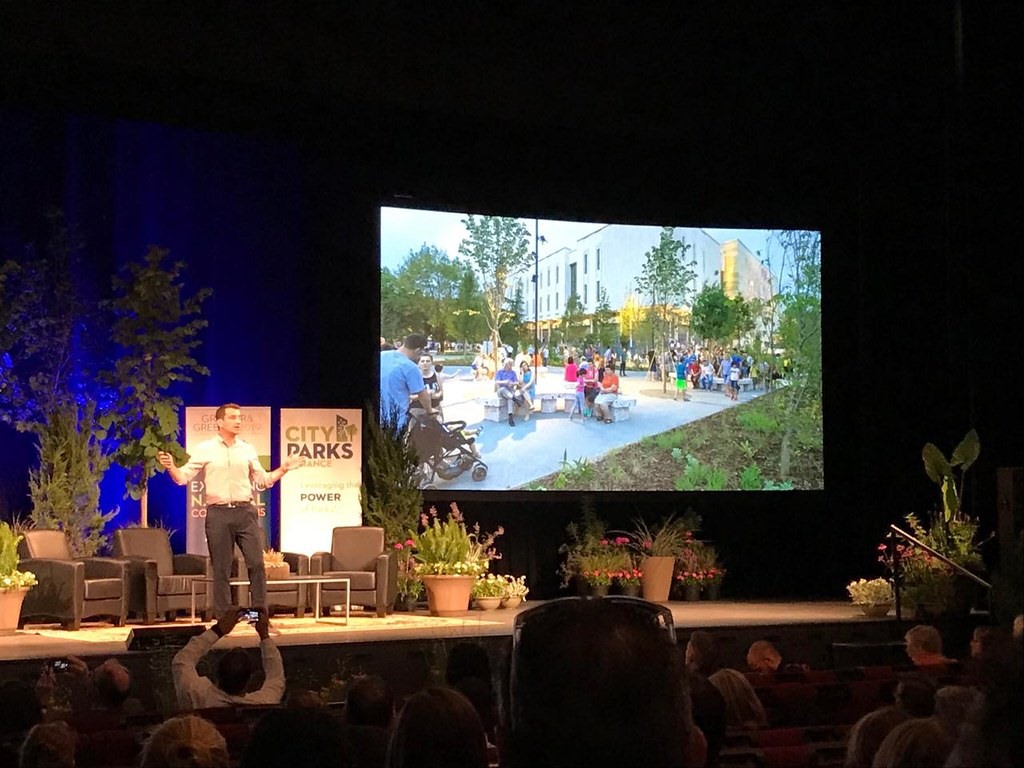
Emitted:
pixel 537 240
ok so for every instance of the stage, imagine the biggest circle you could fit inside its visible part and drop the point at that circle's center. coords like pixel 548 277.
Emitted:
pixel 101 639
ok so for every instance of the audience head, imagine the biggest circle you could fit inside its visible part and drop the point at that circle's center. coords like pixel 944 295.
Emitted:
pixel 702 653
pixel 467 660
pixel 992 736
pixel 994 658
pixel 437 728
pixel 924 644
pixel 370 701
pixel 185 742
pixel 21 707
pixel 915 695
pixel 303 699
pixel 595 682
pixel 917 743
pixel 48 745
pixel 742 707
pixel 233 671
pixel 312 738
pixel 868 733
pixel 954 704
pixel 708 713
pixel 480 694
pixel 763 657
pixel 1018 627
pixel 112 682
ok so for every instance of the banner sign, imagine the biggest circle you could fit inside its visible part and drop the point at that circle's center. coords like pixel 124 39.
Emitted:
pixel 201 425
pixel 324 493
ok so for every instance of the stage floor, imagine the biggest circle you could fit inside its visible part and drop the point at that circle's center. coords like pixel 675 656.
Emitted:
pixel 100 639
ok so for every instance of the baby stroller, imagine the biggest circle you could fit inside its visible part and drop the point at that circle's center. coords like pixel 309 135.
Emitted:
pixel 445 449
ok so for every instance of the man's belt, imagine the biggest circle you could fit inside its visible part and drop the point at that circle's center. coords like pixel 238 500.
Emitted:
pixel 230 505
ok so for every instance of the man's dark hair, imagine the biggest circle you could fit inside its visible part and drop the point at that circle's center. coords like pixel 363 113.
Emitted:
pixel 467 660
pixel 107 693
pixel 233 671
pixel 415 341
pixel 438 727
pixel 312 738
pixel 595 682
pixel 219 413
pixel 370 701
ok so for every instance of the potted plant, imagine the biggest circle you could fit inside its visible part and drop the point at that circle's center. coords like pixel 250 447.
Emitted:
pixel 713 579
pixel 587 538
pixel 410 588
pixel 14 584
pixel 515 591
pixel 659 546
pixel 629 581
pixel 874 597
pixel 275 566
pixel 691 582
pixel 449 557
pixel 597 580
pixel 488 590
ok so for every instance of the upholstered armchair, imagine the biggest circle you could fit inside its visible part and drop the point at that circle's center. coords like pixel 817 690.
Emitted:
pixel 160 582
pixel 280 594
pixel 358 554
pixel 71 589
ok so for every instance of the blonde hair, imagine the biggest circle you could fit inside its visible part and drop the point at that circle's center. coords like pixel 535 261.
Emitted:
pixel 868 733
pixel 924 637
pixel 185 742
pixel 742 707
pixel 918 743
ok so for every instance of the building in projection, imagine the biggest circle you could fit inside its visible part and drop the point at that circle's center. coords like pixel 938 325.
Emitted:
pixel 608 261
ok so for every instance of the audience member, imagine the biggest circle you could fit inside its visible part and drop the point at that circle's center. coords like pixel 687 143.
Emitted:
pixel 1018 627
pixel 994 658
pixel 303 699
pixel 742 707
pixel 702 653
pixel 924 646
pixel 468 671
pixel 48 745
pixel 437 728
pixel 299 737
pixel 234 669
pixel 708 713
pixel 993 736
pixel 763 657
pixel 868 733
pixel 370 701
pixel 954 705
pixel 185 742
pixel 595 683
pixel 915 694
pixel 916 743
pixel 20 711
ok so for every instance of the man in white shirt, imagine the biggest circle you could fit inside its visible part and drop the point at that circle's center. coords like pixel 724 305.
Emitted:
pixel 233 670
pixel 233 469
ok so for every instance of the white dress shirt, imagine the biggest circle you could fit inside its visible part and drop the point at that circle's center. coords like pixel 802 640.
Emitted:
pixel 232 471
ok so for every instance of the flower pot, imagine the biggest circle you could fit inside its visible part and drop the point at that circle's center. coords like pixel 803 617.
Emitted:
pixel 629 590
pixel 713 591
pixel 487 603
pixel 10 609
pixel 448 595
pixel 598 590
pixel 405 603
pixel 691 592
pixel 657 579
pixel 277 571
pixel 511 602
pixel 875 610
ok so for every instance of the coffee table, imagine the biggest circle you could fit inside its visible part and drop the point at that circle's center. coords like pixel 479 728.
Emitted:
pixel 319 581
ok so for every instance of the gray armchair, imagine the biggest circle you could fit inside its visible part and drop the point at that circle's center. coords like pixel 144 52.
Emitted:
pixel 71 589
pixel 160 582
pixel 280 594
pixel 358 554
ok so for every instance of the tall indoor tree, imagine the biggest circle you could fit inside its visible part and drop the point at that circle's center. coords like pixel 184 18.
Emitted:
pixel 155 327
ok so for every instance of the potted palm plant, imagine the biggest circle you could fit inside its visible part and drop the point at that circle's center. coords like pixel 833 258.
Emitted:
pixel 14 584
pixel 449 558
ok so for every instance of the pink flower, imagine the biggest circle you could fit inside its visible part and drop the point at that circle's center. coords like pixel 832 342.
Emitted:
pixel 604 542
pixel 648 543
pixel 410 543
pixel 398 545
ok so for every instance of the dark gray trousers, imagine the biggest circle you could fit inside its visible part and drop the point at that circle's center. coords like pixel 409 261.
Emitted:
pixel 226 527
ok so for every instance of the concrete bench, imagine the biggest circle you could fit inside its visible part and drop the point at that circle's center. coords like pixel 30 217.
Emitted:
pixel 548 402
pixel 568 400
pixel 620 408
pixel 495 408
pixel 745 384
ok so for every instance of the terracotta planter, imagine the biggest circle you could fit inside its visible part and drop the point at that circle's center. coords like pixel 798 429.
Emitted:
pixel 657 579
pixel 448 595
pixel 487 603
pixel 10 609
pixel 875 610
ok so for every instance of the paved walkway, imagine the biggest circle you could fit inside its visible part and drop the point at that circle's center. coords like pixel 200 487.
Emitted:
pixel 520 455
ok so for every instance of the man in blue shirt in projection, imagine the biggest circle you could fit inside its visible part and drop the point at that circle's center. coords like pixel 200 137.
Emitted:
pixel 400 378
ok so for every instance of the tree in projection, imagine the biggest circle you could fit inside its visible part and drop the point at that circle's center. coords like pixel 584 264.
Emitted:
pixel 720 319
pixel 604 322
pixel 425 292
pixel 498 249
pixel 467 318
pixel 664 281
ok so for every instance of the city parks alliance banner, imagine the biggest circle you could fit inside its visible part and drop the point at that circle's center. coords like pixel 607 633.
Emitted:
pixel 201 425
pixel 324 493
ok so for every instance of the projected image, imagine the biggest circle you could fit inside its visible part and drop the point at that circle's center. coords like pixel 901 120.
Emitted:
pixel 570 356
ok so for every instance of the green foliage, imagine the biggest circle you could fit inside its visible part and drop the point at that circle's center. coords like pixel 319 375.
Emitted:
pixel 498 249
pixel 65 489
pixel 467 318
pixel 448 547
pixel 604 321
pixel 785 485
pixel 390 495
pixel 666 539
pixel 585 537
pixel 750 478
pixel 422 295
pixel 718 318
pixel 574 326
pixel 156 329
pixel 941 471
pixel 756 420
pixel 717 479
pixel 8 550
pixel 669 441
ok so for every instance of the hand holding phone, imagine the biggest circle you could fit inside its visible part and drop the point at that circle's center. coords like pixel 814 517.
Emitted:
pixel 60 665
pixel 251 615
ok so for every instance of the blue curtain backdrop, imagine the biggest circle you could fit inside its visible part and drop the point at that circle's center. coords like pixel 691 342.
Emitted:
pixel 231 207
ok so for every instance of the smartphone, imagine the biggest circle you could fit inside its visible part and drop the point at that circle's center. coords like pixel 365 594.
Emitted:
pixel 252 615
pixel 60 665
